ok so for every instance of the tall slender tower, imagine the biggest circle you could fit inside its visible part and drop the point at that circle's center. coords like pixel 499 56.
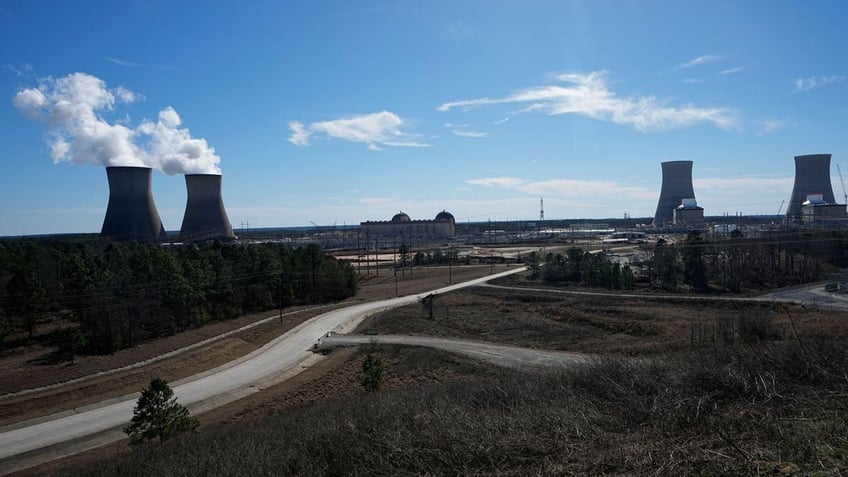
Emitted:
pixel 205 217
pixel 812 176
pixel 131 213
pixel 676 186
pixel 541 209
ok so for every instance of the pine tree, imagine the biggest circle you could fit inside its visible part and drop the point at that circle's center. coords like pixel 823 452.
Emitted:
pixel 158 415
pixel 372 373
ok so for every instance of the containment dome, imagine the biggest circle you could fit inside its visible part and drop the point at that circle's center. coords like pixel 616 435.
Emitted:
pixel 205 217
pixel 443 215
pixel 401 217
pixel 131 213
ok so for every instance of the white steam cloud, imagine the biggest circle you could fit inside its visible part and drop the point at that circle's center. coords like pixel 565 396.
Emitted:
pixel 72 108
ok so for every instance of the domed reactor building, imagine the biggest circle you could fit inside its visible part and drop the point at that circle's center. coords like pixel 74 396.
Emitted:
pixel 441 227
pixel 205 217
pixel 131 213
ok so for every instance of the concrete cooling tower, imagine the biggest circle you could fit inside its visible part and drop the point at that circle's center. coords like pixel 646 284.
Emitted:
pixel 812 176
pixel 205 217
pixel 131 213
pixel 676 186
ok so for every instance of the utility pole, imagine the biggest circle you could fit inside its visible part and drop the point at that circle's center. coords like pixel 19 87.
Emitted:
pixel 280 295
pixel 450 266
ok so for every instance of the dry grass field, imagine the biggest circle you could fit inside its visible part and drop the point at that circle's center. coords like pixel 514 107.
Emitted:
pixel 706 388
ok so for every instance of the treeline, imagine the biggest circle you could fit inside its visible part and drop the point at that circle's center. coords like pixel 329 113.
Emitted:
pixel 578 266
pixel 122 293
pixel 738 264
pixel 696 263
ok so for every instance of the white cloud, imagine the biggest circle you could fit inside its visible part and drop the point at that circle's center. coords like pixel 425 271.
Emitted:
pixel 506 182
pixel 743 184
pixel 131 64
pixel 473 134
pixel 588 95
pixel 566 188
pixel 731 71
pixel 692 80
pixel 770 126
pixel 299 136
pixel 19 70
pixel 73 107
pixel 806 84
pixel 375 129
pixel 173 150
pixel 699 61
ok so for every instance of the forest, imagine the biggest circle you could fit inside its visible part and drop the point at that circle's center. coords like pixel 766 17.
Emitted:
pixel 730 265
pixel 118 294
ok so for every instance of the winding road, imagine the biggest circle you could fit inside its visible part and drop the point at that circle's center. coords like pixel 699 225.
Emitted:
pixel 30 443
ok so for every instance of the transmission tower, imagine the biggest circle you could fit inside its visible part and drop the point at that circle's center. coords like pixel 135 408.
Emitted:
pixel 541 209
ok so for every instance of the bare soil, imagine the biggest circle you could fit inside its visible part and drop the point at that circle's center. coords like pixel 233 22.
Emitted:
pixel 28 368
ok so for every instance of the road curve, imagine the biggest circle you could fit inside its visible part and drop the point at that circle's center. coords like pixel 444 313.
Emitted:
pixel 501 355
pixel 30 443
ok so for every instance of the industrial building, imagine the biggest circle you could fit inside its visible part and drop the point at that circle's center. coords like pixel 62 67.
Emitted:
pixel 131 213
pixel 441 227
pixel 676 186
pixel 689 215
pixel 205 217
pixel 818 213
pixel 812 177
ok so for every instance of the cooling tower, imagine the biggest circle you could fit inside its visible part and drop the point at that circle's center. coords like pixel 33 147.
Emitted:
pixel 131 213
pixel 676 186
pixel 205 217
pixel 812 176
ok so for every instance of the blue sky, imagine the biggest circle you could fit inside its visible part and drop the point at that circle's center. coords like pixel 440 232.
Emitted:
pixel 339 112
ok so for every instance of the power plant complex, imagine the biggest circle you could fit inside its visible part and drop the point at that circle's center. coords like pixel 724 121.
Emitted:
pixel 131 213
pixel 401 225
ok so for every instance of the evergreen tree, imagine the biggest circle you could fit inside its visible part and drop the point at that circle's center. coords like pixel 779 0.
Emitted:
pixel 372 373
pixel 158 415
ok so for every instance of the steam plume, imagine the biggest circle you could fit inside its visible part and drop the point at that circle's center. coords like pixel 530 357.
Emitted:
pixel 72 108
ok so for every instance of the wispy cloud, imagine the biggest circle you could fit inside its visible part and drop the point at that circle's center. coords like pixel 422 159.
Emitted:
pixel 731 71
pixel 473 134
pixel 19 70
pixel 567 188
pixel 693 80
pixel 461 131
pixel 506 182
pixel 813 82
pixel 770 126
pixel 704 59
pixel 588 95
pixel 376 129
pixel 131 64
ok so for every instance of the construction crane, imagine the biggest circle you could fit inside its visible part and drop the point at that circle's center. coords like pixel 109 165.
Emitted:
pixel 781 207
pixel 842 181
